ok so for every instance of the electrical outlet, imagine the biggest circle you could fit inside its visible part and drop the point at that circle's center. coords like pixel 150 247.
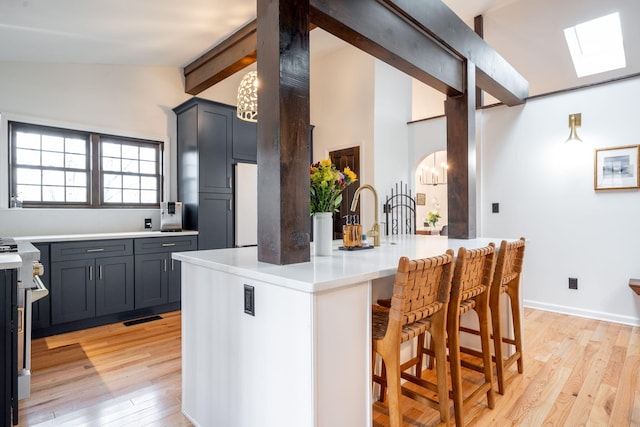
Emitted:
pixel 249 300
pixel 147 223
pixel 495 207
pixel 573 283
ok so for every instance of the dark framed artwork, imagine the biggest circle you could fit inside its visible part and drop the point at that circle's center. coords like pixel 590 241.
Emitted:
pixel 616 168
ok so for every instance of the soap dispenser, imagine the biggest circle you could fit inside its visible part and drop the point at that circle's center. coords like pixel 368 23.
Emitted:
pixel 347 231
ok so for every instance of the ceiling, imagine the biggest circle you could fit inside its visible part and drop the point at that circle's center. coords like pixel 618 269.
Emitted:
pixel 528 33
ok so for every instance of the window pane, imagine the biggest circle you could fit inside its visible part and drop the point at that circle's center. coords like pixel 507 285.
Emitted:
pixel 28 140
pixel 148 183
pixel 76 194
pixel 75 161
pixel 29 193
pixel 111 164
pixel 147 196
pixel 112 181
pixel 76 179
pixel 28 176
pixel 53 177
pixel 52 159
pixel 131 182
pixel 148 154
pixel 53 143
pixel 56 166
pixel 130 152
pixel 130 166
pixel 131 196
pixel 27 157
pixel 148 168
pixel 110 150
pixel 52 194
pixel 76 146
pixel 112 195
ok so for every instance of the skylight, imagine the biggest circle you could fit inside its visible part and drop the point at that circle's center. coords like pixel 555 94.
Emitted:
pixel 596 45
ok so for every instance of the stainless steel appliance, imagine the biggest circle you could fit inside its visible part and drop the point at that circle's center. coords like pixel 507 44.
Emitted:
pixel 170 216
pixel 30 289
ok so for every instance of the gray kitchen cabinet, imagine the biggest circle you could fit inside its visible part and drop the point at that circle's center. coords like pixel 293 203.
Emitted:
pixel 216 221
pixel 151 280
pixel 8 347
pixel 210 140
pixel 91 278
pixel 158 278
pixel 245 137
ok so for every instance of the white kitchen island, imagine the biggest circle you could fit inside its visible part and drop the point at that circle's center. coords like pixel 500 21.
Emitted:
pixel 304 358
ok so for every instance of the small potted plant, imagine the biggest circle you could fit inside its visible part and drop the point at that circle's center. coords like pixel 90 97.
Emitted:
pixel 432 219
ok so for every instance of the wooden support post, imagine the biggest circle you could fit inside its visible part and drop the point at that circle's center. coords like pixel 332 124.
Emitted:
pixel 478 27
pixel 461 158
pixel 283 131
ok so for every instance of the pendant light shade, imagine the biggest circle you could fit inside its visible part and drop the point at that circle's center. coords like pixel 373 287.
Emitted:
pixel 248 97
pixel 575 120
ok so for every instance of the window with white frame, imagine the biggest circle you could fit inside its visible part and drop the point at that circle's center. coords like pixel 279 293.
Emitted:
pixel 52 167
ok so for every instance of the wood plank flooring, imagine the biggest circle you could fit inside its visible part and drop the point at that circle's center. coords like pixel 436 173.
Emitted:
pixel 578 372
pixel 112 375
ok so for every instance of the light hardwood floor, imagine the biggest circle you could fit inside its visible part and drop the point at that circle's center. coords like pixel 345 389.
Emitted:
pixel 577 372
pixel 112 375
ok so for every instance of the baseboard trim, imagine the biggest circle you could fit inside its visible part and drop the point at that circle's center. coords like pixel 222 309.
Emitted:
pixel 590 314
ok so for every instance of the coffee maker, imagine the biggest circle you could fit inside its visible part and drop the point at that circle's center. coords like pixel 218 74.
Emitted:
pixel 170 216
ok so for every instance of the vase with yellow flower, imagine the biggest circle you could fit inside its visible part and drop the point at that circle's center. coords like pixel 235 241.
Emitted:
pixel 327 185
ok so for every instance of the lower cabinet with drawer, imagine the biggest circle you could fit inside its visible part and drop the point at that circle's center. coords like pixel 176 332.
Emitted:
pixel 157 275
pixel 91 278
pixel 97 282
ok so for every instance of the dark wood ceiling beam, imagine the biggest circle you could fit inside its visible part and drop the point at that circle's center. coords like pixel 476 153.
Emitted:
pixel 388 36
pixel 226 58
pixel 493 73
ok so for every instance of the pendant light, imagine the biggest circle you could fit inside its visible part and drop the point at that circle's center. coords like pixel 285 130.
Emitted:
pixel 248 97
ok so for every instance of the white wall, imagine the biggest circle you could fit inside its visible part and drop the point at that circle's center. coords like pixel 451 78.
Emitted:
pixel 342 98
pixel 392 111
pixel 120 100
pixel 545 190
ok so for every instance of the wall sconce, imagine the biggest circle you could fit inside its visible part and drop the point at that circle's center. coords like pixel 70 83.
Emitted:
pixel 432 175
pixel 248 97
pixel 575 121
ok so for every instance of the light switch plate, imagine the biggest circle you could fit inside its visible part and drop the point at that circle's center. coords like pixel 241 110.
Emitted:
pixel 249 300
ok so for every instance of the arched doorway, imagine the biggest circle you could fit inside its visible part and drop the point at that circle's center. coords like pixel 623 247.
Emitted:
pixel 431 188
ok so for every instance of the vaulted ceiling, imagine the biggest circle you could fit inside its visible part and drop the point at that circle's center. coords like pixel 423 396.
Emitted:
pixel 527 33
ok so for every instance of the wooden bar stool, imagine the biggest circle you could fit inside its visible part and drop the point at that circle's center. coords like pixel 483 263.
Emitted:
pixel 469 291
pixel 419 303
pixel 506 279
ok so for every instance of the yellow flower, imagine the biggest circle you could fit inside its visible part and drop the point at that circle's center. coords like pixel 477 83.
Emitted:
pixel 350 174
pixel 325 162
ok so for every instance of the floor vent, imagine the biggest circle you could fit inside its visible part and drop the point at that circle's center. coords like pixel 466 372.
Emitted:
pixel 142 320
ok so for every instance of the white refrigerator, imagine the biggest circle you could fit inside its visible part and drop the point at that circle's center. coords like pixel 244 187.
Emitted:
pixel 246 204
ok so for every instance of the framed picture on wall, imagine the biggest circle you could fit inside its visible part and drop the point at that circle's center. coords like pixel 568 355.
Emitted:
pixel 420 199
pixel 616 168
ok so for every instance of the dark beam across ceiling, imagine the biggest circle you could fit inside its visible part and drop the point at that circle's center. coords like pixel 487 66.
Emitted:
pixel 493 73
pixel 226 58
pixel 387 35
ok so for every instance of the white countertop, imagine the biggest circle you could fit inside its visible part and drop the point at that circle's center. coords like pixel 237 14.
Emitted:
pixel 14 259
pixel 342 268
pixel 104 236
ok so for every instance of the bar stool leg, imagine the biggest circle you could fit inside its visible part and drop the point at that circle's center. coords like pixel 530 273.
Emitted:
pixel 453 336
pixel 496 324
pixel 482 309
pixel 513 293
